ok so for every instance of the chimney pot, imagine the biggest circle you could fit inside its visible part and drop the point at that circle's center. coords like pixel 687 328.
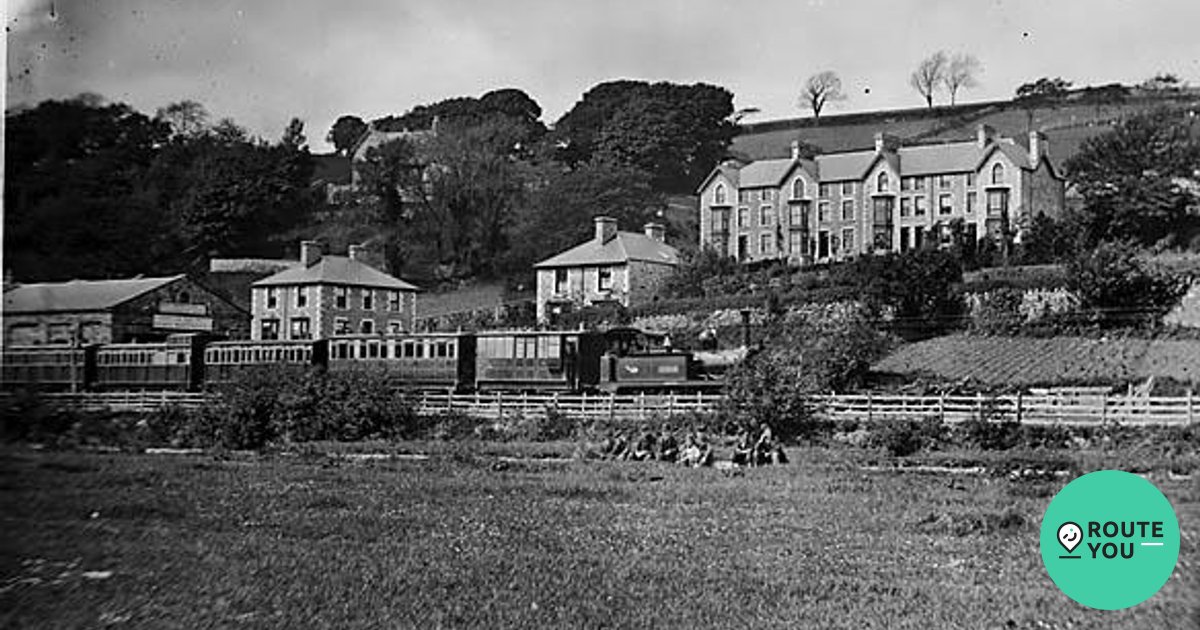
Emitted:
pixel 1037 147
pixel 606 229
pixel 656 232
pixel 983 135
pixel 310 253
pixel 886 142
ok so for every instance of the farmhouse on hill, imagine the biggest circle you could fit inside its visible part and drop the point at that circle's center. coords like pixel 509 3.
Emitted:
pixel 889 199
pixel 117 311
pixel 325 296
pixel 613 267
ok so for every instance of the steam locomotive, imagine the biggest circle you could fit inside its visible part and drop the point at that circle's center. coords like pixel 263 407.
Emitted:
pixel 619 360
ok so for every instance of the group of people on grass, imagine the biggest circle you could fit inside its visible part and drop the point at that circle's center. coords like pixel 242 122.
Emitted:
pixel 753 447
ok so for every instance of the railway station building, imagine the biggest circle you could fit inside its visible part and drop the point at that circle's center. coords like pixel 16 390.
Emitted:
pixel 891 198
pixel 326 296
pixel 613 267
pixel 117 311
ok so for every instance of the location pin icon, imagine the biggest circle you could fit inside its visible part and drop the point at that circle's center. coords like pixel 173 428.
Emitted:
pixel 1069 536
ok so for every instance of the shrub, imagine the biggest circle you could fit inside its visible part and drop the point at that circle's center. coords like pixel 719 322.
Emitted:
pixel 1117 289
pixel 802 355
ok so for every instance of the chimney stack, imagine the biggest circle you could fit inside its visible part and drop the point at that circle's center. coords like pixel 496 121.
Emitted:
pixel 656 232
pixel 795 149
pixel 886 142
pixel 983 135
pixel 606 229
pixel 1037 147
pixel 310 253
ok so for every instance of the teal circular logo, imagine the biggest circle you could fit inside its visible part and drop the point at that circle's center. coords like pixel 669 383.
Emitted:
pixel 1110 540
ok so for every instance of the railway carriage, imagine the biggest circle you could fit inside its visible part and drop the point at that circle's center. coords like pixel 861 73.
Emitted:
pixel 176 364
pixel 538 360
pixel 48 368
pixel 431 360
pixel 225 361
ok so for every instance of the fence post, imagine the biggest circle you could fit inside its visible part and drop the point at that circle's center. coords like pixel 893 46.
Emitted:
pixel 870 412
pixel 1104 409
pixel 942 407
pixel 499 406
pixel 670 405
pixel 612 406
pixel 1190 408
pixel 1020 417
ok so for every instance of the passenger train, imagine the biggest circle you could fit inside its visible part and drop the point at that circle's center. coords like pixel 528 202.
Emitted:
pixel 619 360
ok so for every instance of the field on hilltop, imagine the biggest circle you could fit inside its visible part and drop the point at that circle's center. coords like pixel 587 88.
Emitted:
pixel 469 541
pixel 1067 125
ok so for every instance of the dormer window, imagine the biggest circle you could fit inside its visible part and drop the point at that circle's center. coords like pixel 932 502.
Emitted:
pixel 798 188
pixel 881 182
pixel 998 174
pixel 719 194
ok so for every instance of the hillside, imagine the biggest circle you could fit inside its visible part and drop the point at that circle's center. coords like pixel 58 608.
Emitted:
pixel 1017 362
pixel 1067 124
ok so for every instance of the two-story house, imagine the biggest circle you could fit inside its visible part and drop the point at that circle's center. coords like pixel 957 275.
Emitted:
pixel 891 198
pixel 325 296
pixel 625 268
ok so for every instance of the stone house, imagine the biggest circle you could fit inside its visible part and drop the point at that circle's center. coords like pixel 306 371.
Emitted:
pixel 613 267
pixel 889 199
pixel 325 296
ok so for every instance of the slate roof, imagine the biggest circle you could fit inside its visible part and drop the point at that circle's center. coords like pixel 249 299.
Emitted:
pixel 765 173
pixel 836 167
pixel 80 295
pixel 930 159
pixel 622 248
pixel 331 168
pixel 339 270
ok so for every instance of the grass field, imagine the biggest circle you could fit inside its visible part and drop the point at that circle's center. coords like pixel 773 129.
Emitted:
pixel 465 539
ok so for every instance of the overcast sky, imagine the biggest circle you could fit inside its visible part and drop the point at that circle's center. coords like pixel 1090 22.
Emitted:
pixel 263 61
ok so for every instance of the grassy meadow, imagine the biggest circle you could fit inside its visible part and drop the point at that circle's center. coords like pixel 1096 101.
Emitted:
pixel 470 539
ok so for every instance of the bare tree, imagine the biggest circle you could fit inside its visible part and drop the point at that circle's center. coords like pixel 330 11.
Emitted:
pixel 820 89
pixel 961 73
pixel 928 75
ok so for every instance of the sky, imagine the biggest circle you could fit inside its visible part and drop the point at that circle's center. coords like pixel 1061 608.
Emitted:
pixel 262 62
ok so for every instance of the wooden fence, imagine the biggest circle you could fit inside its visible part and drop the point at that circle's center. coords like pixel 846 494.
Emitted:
pixel 1047 408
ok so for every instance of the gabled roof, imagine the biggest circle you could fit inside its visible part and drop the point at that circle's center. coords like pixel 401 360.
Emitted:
pixel 1016 154
pixel 931 159
pixel 836 167
pixel 765 173
pixel 336 270
pixel 622 248
pixel 80 295
pixel 730 171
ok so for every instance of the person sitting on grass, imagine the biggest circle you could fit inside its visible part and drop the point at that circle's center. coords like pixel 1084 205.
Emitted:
pixel 644 448
pixel 743 450
pixel 617 447
pixel 695 452
pixel 668 446
pixel 766 449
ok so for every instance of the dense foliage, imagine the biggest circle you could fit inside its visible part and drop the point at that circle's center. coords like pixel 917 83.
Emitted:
pixel 1116 288
pixel 804 354
pixel 1130 180
pixel 100 190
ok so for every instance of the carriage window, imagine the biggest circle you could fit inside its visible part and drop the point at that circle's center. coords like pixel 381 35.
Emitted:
pixel 420 349
pixel 408 349
pixel 451 350
pixel 373 350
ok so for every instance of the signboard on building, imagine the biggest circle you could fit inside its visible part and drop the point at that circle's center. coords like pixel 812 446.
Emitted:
pixel 183 322
pixel 181 308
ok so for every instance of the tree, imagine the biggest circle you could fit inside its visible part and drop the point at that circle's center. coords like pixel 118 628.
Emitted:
pixel 186 118
pixel 345 132
pixel 676 133
pixel 77 201
pixel 1163 82
pixel 1128 178
pixel 293 135
pixel 820 89
pixel 961 72
pixel 930 73
pixel 1118 289
pixel 559 214
pixel 1043 90
pixel 803 355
